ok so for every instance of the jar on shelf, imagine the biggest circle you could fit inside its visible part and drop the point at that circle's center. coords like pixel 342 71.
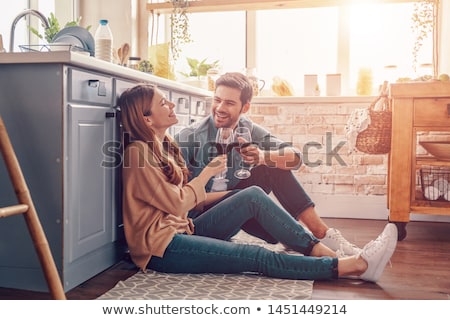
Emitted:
pixel 212 75
pixel 133 62
pixel 365 82
pixel 257 84
pixel 390 73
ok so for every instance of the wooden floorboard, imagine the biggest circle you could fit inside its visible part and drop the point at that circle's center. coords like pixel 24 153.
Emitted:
pixel 419 269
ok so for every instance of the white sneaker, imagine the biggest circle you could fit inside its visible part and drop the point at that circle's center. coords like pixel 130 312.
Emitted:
pixel 335 241
pixel 378 252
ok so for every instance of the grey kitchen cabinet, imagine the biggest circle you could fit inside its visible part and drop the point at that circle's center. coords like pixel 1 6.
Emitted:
pixel 182 109
pixel 90 180
pixel 189 109
pixel 199 109
pixel 61 113
pixel 62 124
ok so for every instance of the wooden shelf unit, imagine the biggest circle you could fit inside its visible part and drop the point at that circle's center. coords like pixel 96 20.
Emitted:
pixel 416 107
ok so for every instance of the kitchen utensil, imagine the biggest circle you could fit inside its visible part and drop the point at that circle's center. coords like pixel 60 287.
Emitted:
pixel 439 149
pixel 120 55
pixel 257 84
pixel 67 39
pixel 125 54
pixel 441 184
pixel 431 193
pixel 82 34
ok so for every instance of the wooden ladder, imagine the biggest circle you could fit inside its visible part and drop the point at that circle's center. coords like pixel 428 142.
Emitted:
pixel 26 207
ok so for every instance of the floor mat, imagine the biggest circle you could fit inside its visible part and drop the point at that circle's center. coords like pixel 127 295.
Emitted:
pixel 164 286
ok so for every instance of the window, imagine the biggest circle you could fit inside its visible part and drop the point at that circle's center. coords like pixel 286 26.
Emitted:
pixel 216 36
pixel 22 34
pixel 293 42
pixel 9 12
pixel 380 36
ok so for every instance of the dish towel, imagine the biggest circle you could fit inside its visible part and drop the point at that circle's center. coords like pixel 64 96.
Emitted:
pixel 358 122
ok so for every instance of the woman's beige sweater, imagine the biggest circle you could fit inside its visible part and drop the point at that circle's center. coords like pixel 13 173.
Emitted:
pixel 154 210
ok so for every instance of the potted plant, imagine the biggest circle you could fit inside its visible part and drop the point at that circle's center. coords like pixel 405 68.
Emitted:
pixel 145 66
pixel 198 71
pixel 199 68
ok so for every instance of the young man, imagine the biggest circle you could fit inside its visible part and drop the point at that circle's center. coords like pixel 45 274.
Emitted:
pixel 272 159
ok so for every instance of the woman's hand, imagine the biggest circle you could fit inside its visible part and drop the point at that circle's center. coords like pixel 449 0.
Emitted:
pixel 217 165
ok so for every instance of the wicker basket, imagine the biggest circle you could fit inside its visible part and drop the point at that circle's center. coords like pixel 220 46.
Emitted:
pixel 376 139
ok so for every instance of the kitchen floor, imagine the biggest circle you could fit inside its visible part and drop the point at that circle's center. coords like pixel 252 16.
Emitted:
pixel 419 269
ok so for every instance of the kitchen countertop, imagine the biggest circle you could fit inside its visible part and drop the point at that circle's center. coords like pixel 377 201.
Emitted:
pixel 93 64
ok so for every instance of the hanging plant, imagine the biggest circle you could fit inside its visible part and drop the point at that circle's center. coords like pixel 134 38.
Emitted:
pixel 179 27
pixel 423 24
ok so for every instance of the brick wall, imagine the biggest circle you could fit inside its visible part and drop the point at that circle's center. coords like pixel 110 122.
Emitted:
pixel 318 130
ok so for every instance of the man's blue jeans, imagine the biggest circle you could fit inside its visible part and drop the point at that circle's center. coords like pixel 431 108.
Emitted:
pixel 286 189
pixel 201 253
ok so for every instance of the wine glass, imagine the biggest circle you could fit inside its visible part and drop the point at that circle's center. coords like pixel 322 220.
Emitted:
pixel 224 138
pixel 243 138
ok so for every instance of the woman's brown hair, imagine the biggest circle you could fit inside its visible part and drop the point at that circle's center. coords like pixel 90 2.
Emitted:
pixel 135 103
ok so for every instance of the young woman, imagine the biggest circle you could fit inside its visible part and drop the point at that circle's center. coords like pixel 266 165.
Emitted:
pixel 157 197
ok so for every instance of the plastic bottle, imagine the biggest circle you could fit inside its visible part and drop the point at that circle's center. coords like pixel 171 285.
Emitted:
pixel 103 41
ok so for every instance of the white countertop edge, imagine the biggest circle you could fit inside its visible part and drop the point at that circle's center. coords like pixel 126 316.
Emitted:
pixel 91 63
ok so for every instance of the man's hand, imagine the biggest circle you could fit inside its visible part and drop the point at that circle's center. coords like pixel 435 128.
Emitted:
pixel 252 155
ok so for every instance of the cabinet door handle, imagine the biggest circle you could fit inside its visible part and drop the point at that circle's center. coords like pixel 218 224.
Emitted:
pixel 182 103
pixel 100 85
pixel 110 114
pixel 448 109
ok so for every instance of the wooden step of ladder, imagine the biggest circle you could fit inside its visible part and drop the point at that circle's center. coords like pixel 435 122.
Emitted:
pixel 26 207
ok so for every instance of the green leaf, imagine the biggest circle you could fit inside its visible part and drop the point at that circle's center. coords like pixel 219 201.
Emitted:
pixel 54 28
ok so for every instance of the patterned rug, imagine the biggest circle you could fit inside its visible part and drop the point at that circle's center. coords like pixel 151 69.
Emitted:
pixel 168 286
